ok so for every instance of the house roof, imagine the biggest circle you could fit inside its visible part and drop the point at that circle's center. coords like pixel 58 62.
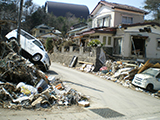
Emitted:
pixel 119 6
pixel 60 9
pixel 81 24
pixel 43 26
pixel 77 29
pixel 140 24
pixel 48 35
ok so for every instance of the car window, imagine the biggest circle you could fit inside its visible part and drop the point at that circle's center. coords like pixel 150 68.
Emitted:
pixel 158 77
pixel 38 44
pixel 151 72
pixel 28 36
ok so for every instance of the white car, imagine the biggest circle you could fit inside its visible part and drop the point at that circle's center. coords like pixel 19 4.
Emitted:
pixel 148 79
pixel 32 49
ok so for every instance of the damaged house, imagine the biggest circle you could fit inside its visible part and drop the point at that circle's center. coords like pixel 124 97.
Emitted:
pixel 140 40
pixel 122 30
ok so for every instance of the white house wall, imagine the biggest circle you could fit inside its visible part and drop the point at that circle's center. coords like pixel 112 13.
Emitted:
pixel 137 18
pixel 104 11
pixel 151 46
pixel 116 16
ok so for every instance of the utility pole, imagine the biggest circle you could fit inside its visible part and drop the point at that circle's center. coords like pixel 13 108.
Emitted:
pixel 19 21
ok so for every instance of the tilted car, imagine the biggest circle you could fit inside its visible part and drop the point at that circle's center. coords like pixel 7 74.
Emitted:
pixel 148 79
pixel 31 48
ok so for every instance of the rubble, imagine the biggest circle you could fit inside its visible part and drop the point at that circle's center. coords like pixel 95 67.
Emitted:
pixel 22 85
pixel 122 72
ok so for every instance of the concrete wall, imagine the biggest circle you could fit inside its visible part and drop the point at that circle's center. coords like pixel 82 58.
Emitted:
pixel 151 46
pixel 65 58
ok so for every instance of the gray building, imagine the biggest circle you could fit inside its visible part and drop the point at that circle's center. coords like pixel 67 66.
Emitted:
pixel 61 9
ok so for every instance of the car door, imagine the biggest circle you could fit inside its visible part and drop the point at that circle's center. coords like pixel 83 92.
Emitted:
pixel 28 42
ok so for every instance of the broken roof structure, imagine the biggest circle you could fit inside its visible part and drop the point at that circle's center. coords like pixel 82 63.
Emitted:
pixel 61 9
pixel 111 30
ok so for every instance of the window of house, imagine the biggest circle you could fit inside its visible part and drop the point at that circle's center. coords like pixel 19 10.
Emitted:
pixel 109 40
pixel 107 21
pixel 127 20
pixel 104 40
pixel 158 43
pixel 117 46
pixel 42 31
pixel 100 23
pixel 103 22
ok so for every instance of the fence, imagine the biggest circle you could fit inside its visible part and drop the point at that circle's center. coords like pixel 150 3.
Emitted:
pixel 88 51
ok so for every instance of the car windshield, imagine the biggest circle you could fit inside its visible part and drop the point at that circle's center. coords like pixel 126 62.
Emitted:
pixel 38 44
pixel 151 72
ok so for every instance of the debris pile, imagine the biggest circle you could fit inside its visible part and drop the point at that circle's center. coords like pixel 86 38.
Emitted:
pixel 122 72
pixel 22 85
pixel 118 71
pixel 86 67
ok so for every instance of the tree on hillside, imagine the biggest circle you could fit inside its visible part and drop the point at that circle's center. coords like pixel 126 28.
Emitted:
pixel 154 7
pixel 8 11
pixel 36 18
pixel 61 23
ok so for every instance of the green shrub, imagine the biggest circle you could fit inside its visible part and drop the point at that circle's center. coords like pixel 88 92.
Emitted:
pixel 95 43
pixel 49 45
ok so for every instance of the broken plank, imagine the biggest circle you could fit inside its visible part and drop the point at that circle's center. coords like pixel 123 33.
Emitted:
pixel 83 62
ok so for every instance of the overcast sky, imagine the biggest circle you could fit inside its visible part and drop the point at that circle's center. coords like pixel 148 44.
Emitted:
pixel 92 3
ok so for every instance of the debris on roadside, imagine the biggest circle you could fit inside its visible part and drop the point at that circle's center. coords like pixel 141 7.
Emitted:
pixel 22 85
pixel 86 66
pixel 118 71
pixel 122 72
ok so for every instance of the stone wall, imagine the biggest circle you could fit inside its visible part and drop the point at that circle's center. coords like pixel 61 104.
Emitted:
pixel 65 58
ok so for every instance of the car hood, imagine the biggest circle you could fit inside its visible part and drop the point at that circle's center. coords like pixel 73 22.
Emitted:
pixel 144 76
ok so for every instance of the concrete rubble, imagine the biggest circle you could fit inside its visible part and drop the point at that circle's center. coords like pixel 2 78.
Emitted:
pixel 22 85
pixel 122 72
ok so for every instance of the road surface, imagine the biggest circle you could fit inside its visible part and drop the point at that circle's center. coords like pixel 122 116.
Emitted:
pixel 107 94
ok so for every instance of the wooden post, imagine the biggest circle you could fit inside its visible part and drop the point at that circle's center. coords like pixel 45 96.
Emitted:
pixel 19 22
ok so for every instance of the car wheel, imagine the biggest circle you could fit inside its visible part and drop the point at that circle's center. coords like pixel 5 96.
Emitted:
pixel 36 58
pixel 149 87
pixel 12 39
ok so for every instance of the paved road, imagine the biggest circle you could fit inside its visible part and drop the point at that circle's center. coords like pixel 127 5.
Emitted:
pixel 107 94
